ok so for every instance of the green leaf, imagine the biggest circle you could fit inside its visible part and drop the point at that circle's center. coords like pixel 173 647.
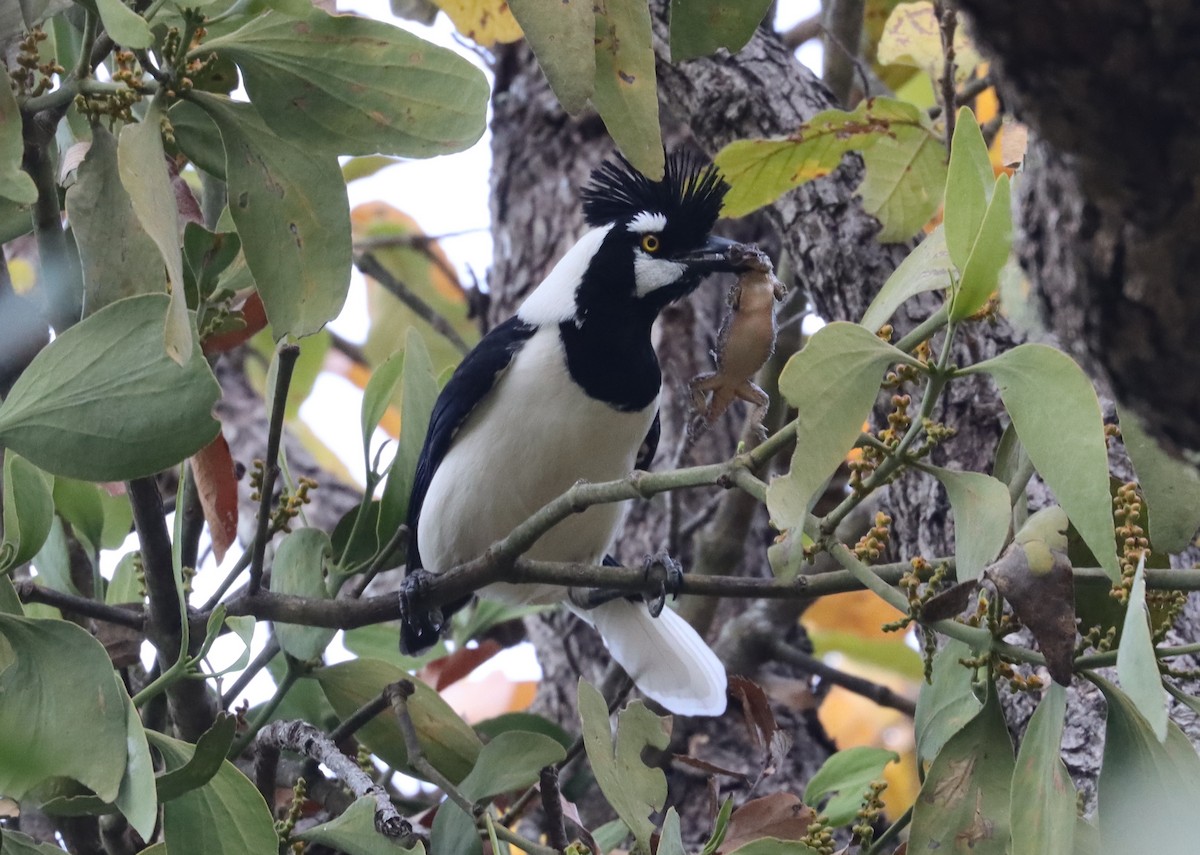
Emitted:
pixel 447 741
pixel 28 511
pixel 454 833
pixel 16 843
pixel 119 258
pixel 633 789
pixel 1137 666
pixel 198 137
pixel 982 516
pixel 701 27
pixel 419 394
pixel 947 702
pixel 289 204
pixel 79 504
pixel 206 256
pixel 53 560
pixel 512 760
pixel 143 168
pixel 626 91
pixel 1171 487
pixel 670 840
pixel 524 722
pixel 905 168
pixel 848 774
pixel 905 174
pixel 833 383
pixel 353 832
pixel 774 846
pixel 1057 417
pixel 63 713
pixel 103 401
pixel 203 764
pixel 124 586
pixel 226 816
pixel 376 397
pixel 969 183
pixel 562 34
pixel 927 268
pixel 911 37
pixel 965 802
pixel 126 27
pixel 350 85
pixel 357 168
pixel 1043 795
pixel 15 185
pixel 299 570
pixel 1146 785
pixel 137 798
pixel 988 255
pixel 720 827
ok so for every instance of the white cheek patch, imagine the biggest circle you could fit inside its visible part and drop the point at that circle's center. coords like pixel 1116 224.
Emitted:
pixel 650 274
pixel 646 222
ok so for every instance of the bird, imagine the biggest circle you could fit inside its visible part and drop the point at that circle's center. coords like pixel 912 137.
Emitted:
pixel 565 390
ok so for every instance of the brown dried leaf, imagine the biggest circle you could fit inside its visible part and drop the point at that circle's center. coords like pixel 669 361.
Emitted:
pixel 949 603
pixel 216 482
pixel 255 317
pixel 710 768
pixel 760 724
pixel 449 669
pixel 780 815
pixel 1038 584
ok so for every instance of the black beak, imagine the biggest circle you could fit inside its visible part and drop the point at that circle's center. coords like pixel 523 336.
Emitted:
pixel 721 255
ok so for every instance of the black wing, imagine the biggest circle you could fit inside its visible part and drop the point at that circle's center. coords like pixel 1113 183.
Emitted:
pixel 650 444
pixel 469 385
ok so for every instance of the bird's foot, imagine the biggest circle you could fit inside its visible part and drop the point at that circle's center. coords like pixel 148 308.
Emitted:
pixel 420 625
pixel 664 576
pixel 589 598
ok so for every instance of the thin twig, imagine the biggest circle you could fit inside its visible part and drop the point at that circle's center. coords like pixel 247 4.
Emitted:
pixel 802 31
pixel 304 738
pixel 270 651
pixel 398 694
pixel 555 829
pixel 947 23
pixel 30 591
pixel 371 266
pixel 360 717
pixel 288 354
pixel 873 691
pixel 163 624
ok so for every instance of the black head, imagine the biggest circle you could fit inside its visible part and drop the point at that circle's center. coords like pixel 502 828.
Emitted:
pixel 658 240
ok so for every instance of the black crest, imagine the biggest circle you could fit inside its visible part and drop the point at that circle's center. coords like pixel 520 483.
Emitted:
pixel 689 195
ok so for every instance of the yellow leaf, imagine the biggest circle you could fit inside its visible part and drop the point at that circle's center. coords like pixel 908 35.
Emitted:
pixel 911 37
pixel 484 22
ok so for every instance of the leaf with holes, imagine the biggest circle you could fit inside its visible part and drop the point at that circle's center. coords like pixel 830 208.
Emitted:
pixel 626 91
pixel 289 204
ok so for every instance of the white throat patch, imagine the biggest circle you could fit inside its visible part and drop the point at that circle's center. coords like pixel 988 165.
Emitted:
pixel 650 274
pixel 646 222
pixel 553 301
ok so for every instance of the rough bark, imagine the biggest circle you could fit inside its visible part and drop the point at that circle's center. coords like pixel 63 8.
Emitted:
pixel 1108 204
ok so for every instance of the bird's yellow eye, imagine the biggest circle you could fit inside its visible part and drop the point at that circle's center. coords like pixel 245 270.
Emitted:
pixel 650 243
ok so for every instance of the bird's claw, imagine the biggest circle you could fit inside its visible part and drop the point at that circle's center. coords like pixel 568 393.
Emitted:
pixel 420 625
pixel 664 576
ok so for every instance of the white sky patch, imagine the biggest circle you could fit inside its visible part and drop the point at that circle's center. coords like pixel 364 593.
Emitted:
pixel 648 221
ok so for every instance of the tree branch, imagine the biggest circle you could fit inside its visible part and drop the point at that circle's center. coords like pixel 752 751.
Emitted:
pixel 371 266
pixel 288 354
pixel 304 738
pixel 876 692
pixel 30 592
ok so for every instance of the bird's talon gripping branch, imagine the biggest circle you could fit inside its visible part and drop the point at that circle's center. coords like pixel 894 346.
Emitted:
pixel 664 576
pixel 420 624
pixel 591 598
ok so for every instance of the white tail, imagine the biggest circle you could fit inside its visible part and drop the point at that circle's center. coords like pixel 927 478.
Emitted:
pixel 666 658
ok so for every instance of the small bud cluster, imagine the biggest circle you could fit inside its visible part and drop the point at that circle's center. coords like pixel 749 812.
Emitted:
pixel 872 806
pixel 874 542
pixel 819 836
pixel 1132 542
pixel 285 826
pixel 1018 682
pixel 291 504
pixel 989 311
pixel 31 76
pixel 1097 639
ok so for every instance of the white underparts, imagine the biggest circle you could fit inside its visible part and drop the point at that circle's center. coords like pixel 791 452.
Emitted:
pixel 553 302
pixel 650 274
